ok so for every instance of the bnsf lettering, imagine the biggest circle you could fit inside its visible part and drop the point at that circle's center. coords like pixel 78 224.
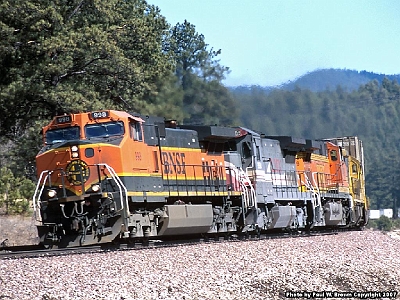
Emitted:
pixel 174 162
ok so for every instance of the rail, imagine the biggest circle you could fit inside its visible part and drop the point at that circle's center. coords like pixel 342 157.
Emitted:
pixel 34 251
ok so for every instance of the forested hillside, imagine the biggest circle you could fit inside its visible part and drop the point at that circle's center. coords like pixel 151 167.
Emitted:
pixel 372 113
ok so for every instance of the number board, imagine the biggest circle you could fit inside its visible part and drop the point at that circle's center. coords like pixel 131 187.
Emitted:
pixel 100 114
pixel 63 119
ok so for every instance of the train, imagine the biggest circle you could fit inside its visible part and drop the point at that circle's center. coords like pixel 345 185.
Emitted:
pixel 111 176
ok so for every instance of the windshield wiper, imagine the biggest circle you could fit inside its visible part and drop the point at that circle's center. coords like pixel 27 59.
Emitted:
pixel 55 142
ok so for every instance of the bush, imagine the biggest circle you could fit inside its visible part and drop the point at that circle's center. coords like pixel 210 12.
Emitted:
pixel 20 207
pixel 396 223
pixel 15 193
pixel 372 224
pixel 384 223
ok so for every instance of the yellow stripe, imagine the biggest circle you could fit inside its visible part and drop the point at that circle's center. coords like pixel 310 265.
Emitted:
pixel 186 149
pixel 170 177
pixel 147 174
pixel 83 146
pixel 158 175
pixel 175 193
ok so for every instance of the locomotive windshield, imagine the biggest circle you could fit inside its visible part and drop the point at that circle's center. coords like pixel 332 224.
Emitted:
pixel 62 134
pixel 104 129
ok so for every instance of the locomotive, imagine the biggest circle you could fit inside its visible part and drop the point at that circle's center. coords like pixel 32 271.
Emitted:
pixel 107 176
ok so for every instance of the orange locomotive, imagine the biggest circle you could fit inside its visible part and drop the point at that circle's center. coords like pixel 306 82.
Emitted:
pixel 108 172
pixel 337 179
pixel 110 175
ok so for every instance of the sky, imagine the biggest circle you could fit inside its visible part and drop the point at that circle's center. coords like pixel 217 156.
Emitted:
pixel 270 42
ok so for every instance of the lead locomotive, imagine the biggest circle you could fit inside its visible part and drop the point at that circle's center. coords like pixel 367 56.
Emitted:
pixel 110 175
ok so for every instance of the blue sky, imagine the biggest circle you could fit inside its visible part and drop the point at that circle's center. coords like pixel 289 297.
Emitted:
pixel 269 42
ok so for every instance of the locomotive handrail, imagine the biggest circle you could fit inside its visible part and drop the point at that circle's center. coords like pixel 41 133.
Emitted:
pixel 119 183
pixel 44 175
pixel 317 194
pixel 213 174
pixel 236 176
pixel 244 178
pixel 41 190
pixel 316 183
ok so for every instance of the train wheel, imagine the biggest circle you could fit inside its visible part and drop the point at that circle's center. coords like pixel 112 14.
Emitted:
pixel 145 241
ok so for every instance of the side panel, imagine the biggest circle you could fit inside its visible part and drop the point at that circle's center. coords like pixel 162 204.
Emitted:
pixel 186 219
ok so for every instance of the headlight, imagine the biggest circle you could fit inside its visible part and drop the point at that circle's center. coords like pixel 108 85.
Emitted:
pixel 74 151
pixel 51 193
pixel 95 188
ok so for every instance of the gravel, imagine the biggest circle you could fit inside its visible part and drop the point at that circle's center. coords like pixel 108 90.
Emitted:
pixel 362 261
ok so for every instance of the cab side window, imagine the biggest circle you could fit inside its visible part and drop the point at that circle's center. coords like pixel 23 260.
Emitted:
pixel 136 131
pixel 334 156
pixel 246 150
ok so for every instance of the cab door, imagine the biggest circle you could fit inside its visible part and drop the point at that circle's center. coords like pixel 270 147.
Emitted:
pixel 337 166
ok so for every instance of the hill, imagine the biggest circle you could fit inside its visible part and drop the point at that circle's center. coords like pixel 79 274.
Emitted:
pixel 329 79
pixel 325 79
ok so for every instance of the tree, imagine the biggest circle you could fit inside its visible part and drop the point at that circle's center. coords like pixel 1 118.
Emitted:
pixel 19 155
pixel 191 55
pixel 200 74
pixel 65 56
pixel 167 101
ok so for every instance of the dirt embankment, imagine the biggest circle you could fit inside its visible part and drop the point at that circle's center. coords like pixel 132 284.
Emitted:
pixel 18 230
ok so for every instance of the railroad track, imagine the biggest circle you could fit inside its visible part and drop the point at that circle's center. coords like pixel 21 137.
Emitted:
pixel 30 251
